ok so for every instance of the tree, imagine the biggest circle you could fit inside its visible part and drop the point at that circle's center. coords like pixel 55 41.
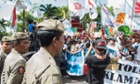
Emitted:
pixel 3 33
pixel 20 20
pixel 4 24
pixel 48 10
pixel 60 12
pixel 111 9
pixel 86 18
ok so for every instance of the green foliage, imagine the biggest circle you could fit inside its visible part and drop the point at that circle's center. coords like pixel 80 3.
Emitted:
pixel 4 24
pixel 20 20
pixel 60 13
pixel 111 9
pixel 3 33
pixel 19 27
pixel 86 18
pixel 126 30
pixel 49 10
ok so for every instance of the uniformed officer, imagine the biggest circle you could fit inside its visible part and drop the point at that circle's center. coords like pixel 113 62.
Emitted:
pixel 14 65
pixel 41 67
pixel 6 49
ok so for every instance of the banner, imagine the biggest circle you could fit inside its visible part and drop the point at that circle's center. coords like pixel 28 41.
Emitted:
pixel 68 32
pixel 76 8
pixel 92 27
pixel 120 18
pixel 127 73
pixel 136 15
pixel 132 17
pixel 91 7
pixel 113 65
pixel 137 7
pixel 111 31
pixel 66 23
pixel 39 14
pixel 75 63
pixel 14 17
pixel 106 17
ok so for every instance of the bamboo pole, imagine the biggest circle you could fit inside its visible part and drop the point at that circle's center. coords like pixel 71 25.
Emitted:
pixel 23 21
pixel 132 15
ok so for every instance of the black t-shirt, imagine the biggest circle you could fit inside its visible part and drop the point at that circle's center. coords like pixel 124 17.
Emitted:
pixel 96 69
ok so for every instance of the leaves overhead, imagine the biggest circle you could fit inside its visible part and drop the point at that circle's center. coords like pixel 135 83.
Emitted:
pixel 48 10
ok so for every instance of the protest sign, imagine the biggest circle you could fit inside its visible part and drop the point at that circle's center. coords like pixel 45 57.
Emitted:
pixel 113 65
pixel 127 73
pixel 120 18
pixel 75 63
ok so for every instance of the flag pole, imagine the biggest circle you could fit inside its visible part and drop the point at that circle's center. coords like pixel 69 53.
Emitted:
pixel 132 15
pixel 68 9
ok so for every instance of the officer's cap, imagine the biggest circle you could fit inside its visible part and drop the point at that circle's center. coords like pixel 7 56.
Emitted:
pixel 51 24
pixel 19 36
pixel 6 39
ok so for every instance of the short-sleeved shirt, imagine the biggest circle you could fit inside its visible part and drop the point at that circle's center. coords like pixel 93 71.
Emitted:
pixel 42 69
pixel 2 59
pixel 113 51
pixel 96 69
pixel 30 28
pixel 13 70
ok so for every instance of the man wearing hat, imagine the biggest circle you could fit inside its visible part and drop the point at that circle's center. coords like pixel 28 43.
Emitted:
pixel 14 65
pixel 97 63
pixel 6 49
pixel 41 67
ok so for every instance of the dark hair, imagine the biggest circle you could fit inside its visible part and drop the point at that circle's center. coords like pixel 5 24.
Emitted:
pixel 4 41
pixel 16 41
pixel 102 52
pixel 47 36
pixel 19 40
pixel 35 23
pixel 30 21
pixel 87 45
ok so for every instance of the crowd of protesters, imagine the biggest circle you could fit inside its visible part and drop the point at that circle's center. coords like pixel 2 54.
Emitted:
pixel 119 46
pixel 97 49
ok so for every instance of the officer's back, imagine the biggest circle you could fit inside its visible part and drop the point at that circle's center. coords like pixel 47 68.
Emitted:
pixel 41 67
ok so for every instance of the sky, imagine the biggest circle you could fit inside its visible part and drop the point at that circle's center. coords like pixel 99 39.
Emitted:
pixel 6 9
pixel 115 3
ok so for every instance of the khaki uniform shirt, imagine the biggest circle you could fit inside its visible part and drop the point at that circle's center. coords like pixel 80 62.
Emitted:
pixel 13 68
pixel 2 59
pixel 42 69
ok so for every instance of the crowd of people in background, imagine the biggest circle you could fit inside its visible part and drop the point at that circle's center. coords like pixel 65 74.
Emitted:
pixel 117 46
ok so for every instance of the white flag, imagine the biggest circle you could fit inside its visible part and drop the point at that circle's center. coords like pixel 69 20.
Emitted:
pixel 39 14
pixel 128 9
pixel 76 8
pixel 106 17
pixel 91 7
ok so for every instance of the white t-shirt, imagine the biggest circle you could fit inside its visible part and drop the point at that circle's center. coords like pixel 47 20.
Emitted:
pixel 118 40
pixel 113 51
pixel 135 45
pixel 65 47
pixel 119 46
pixel 137 56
